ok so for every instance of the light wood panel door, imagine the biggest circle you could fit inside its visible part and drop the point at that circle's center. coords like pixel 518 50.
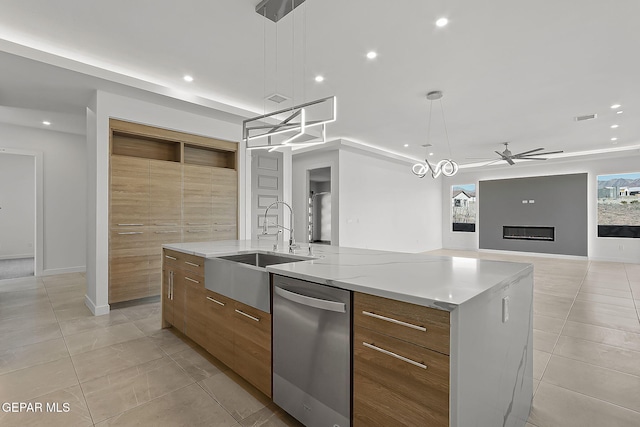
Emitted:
pixel 129 196
pixel 252 346
pixel 225 203
pixel 197 203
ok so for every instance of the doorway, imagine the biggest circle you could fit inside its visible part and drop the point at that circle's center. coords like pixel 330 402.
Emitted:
pixel 319 206
pixel 17 214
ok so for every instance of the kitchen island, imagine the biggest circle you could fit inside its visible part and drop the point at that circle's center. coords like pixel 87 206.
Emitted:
pixel 479 312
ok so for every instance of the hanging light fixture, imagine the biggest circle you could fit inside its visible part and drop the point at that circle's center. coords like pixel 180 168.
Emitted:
pixel 446 167
pixel 288 127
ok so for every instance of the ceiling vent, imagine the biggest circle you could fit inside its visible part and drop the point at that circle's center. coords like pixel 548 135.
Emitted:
pixel 586 117
pixel 277 98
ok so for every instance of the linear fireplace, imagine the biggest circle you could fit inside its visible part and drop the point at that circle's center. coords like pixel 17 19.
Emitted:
pixel 516 232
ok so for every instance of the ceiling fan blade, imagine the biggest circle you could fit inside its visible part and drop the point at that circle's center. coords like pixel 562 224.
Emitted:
pixel 500 154
pixel 511 162
pixel 530 151
pixel 490 163
pixel 534 158
pixel 548 152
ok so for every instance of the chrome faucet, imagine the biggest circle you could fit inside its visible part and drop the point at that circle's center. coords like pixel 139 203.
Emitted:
pixel 265 224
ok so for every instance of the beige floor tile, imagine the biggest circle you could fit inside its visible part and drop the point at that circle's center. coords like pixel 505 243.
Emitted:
pixel 544 341
pixel 547 324
pixel 599 334
pixel 142 311
pixel 84 324
pixel 107 360
pixel 103 337
pixel 171 341
pixel 558 407
pixel 72 310
pixel 53 411
pixel 597 307
pixel 31 335
pixel 115 393
pixel 605 299
pixel 9 298
pixel 37 319
pixel 536 383
pixel 63 280
pixel 37 380
pixel 540 360
pixel 190 406
pixel 604 319
pixel 270 416
pixel 33 354
pixel 235 395
pixel 604 291
pixel 621 284
pixel 635 289
pixel 20 310
pixel 616 358
pixel 150 325
pixel 198 363
pixel 20 284
pixel 551 305
pixel 594 381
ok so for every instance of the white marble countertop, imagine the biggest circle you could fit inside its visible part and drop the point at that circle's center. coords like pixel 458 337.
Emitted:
pixel 432 281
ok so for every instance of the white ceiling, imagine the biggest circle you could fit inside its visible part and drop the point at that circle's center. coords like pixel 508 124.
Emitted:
pixel 510 70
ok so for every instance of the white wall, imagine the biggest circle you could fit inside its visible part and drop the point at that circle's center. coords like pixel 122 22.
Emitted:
pixel 302 163
pixel 384 206
pixel 103 107
pixel 17 206
pixel 599 248
pixel 64 193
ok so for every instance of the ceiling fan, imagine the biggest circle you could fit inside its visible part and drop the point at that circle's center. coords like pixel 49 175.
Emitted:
pixel 508 156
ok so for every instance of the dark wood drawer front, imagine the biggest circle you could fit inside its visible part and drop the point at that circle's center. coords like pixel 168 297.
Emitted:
pixel 172 258
pixel 252 342
pixel 424 326
pixel 193 263
pixel 398 383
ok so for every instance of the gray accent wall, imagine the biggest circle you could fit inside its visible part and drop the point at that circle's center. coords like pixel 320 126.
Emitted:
pixel 560 201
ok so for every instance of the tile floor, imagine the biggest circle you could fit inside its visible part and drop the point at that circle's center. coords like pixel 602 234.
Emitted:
pixel 122 369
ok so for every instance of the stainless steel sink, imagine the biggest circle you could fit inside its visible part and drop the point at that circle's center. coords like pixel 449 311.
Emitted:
pixel 244 277
pixel 262 260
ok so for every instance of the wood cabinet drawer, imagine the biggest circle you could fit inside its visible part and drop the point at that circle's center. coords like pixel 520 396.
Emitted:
pixel 193 263
pixel 424 326
pixel 398 383
pixel 172 258
pixel 252 346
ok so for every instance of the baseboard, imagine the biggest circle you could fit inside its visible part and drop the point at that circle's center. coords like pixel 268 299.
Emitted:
pixel 96 310
pixel 536 254
pixel 53 271
pixel 605 259
pixel 3 257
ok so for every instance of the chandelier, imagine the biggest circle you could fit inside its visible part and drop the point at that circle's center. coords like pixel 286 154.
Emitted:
pixel 446 167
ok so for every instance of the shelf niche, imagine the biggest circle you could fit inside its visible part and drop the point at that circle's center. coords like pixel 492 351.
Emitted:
pixel 207 156
pixel 145 147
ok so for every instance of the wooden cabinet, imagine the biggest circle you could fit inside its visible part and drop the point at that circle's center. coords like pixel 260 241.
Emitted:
pixel 252 346
pixel 400 363
pixel 165 187
pixel 235 333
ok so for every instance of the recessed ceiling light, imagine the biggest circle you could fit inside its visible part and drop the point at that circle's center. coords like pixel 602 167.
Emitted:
pixel 46 123
pixel 406 145
pixel 372 55
pixel 442 22
pixel 431 154
pixel 615 106
pixel 619 112
pixel 188 78
pixel 319 79
pixel 614 126
pixel 614 139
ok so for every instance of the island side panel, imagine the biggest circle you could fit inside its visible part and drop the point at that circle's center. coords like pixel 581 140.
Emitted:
pixel 492 360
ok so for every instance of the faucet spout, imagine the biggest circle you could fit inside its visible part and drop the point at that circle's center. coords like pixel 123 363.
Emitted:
pixel 265 225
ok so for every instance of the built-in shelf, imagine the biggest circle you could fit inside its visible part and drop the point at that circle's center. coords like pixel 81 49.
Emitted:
pixel 145 147
pixel 208 156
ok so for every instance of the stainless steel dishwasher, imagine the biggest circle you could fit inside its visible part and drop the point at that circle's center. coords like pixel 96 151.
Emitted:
pixel 312 352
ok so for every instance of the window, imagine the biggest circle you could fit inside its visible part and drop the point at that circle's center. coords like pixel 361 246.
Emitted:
pixel 463 208
pixel 619 205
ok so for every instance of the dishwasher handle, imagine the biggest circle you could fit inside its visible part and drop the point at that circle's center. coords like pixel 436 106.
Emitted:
pixel 322 304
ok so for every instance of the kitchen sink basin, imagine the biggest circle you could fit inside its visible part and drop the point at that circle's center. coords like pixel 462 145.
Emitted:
pixel 244 277
pixel 261 260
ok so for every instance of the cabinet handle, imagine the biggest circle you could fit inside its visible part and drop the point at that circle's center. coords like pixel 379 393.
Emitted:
pixel 192 264
pixel 397 322
pixel 171 285
pixel 196 231
pixel 248 315
pixel 131 232
pixel 165 224
pixel 130 225
pixel 191 280
pixel 171 257
pixel 165 232
pixel 397 356
pixel 197 223
pixel 216 301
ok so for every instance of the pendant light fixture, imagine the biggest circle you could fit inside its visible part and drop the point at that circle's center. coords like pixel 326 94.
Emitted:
pixel 288 127
pixel 446 167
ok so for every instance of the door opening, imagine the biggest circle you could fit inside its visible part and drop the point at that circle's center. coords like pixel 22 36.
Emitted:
pixel 319 206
